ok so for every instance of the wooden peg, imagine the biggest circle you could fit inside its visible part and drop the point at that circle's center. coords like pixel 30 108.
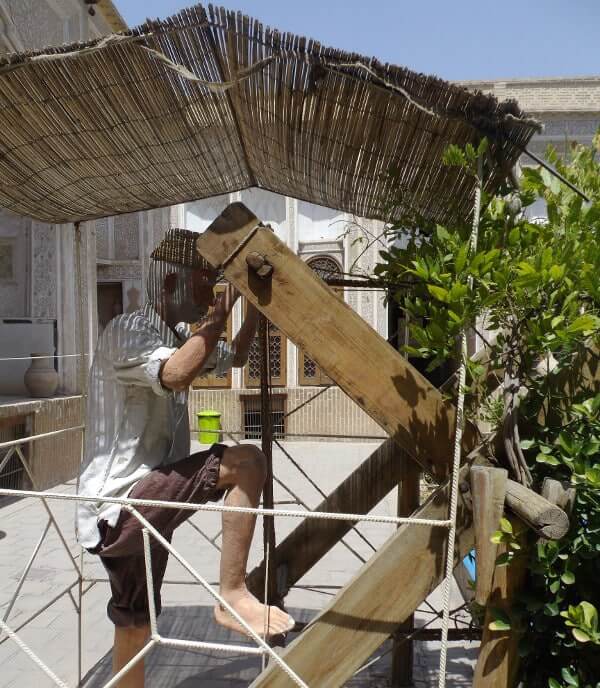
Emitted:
pixel 259 264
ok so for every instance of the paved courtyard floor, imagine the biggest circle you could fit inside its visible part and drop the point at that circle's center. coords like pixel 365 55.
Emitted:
pixel 188 608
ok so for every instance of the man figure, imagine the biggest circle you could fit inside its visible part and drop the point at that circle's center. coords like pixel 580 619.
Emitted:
pixel 138 445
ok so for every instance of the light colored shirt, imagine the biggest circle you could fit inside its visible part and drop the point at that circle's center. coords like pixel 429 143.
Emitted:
pixel 133 423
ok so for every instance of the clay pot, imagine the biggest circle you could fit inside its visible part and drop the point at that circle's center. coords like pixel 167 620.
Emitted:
pixel 41 380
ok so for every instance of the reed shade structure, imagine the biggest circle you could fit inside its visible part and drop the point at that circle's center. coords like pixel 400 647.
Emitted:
pixel 210 101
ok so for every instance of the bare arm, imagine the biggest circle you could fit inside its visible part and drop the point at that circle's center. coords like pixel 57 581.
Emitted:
pixel 243 339
pixel 183 366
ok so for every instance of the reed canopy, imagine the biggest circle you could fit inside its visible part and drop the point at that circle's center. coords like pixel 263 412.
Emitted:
pixel 210 101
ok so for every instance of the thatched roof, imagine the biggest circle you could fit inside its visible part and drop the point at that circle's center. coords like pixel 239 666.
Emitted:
pixel 114 126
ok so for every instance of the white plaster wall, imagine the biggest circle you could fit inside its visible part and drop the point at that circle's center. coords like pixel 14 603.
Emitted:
pixel 198 215
pixel 318 223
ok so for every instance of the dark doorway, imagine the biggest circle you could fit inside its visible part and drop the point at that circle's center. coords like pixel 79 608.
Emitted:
pixel 110 302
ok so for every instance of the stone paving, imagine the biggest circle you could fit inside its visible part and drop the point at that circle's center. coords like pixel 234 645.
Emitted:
pixel 187 614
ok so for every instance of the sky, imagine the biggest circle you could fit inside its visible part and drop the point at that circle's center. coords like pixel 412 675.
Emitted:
pixel 454 39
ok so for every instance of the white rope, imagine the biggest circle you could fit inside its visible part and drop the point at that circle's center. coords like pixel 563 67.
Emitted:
pixel 150 585
pixel 41 436
pixel 457 455
pixel 229 509
pixel 265 598
pixel 217 647
pixel 32 656
pixel 35 358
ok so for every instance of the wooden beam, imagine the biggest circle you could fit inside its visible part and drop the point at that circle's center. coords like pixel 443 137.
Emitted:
pixel 360 492
pixel 488 487
pixel 409 497
pixel 498 660
pixel 348 350
pixel 546 519
pixel 383 594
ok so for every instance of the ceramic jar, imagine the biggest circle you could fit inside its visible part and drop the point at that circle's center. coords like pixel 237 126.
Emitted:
pixel 41 380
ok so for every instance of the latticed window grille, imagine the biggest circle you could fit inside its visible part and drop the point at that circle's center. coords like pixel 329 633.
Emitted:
pixel 211 379
pixel 309 372
pixel 277 359
pixel 252 416
pixel 12 476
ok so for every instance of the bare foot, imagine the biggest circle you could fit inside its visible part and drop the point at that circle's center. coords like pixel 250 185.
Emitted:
pixel 253 613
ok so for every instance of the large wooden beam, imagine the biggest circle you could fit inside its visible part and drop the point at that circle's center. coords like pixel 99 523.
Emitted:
pixel 383 594
pixel 347 349
pixel 360 492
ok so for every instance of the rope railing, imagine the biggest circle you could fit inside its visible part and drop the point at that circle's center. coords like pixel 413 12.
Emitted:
pixel 258 511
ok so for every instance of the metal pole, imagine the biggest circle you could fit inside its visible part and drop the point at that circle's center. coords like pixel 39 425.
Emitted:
pixel 83 391
pixel 557 174
pixel 271 596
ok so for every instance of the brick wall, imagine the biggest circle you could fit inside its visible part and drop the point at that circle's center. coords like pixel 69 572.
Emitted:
pixel 331 413
pixel 581 94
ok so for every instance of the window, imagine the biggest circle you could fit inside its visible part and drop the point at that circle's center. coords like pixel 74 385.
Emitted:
pixel 277 359
pixel 252 416
pixel 213 380
pixel 309 372
pixel 12 476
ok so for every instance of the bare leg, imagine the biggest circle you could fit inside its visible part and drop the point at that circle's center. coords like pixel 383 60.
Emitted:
pixel 128 642
pixel 243 468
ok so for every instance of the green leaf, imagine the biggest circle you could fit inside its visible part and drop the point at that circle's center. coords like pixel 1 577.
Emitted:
pixel 569 677
pixel 527 444
pixel 557 272
pixel 568 578
pixel 499 626
pixel 553 683
pixel 506 526
pixel 551 609
pixel 461 258
pixel 580 635
pixel 584 323
pixel 501 620
pixel 438 293
pixel 513 236
pixel 547 458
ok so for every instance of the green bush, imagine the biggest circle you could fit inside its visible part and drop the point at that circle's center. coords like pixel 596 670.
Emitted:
pixel 536 284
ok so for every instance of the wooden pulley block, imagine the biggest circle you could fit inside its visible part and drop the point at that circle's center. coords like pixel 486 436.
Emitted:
pixel 259 265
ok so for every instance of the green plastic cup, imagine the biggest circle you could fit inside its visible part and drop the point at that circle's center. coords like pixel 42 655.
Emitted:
pixel 209 424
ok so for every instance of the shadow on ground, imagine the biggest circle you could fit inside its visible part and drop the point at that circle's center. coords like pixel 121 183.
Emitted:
pixel 173 668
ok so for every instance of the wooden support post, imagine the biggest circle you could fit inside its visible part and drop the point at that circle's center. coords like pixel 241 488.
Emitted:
pixel 498 660
pixel 402 649
pixel 346 348
pixel 546 519
pixel 384 593
pixel 360 492
pixel 488 487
